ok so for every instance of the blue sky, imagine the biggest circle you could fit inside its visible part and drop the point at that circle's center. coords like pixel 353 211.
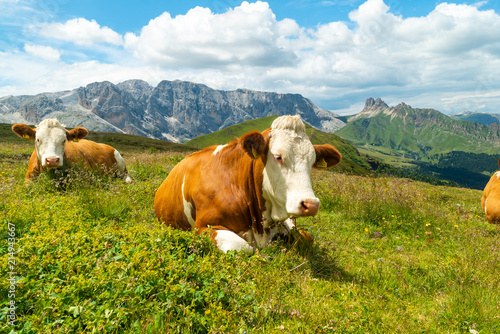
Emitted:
pixel 336 52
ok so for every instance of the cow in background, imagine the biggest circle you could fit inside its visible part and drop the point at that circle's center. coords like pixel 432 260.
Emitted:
pixel 490 201
pixel 56 147
pixel 244 193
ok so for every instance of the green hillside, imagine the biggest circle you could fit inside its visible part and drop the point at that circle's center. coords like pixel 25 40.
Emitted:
pixel 426 142
pixel 352 160
pixel 420 133
pixel 228 134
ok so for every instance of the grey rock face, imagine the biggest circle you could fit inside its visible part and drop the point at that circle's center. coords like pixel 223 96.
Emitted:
pixel 173 110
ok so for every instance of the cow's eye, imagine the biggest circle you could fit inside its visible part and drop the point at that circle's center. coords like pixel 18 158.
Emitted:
pixel 278 158
pixel 38 140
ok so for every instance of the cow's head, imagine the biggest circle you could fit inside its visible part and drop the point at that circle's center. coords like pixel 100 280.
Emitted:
pixel 50 140
pixel 289 157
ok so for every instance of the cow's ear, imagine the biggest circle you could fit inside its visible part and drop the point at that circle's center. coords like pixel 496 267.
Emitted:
pixel 498 162
pixel 254 144
pixel 326 156
pixel 76 134
pixel 24 131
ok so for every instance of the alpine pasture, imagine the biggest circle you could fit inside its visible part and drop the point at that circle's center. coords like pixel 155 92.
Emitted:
pixel 87 255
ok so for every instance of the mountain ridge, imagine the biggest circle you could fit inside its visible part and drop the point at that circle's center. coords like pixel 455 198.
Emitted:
pixel 418 132
pixel 477 117
pixel 173 110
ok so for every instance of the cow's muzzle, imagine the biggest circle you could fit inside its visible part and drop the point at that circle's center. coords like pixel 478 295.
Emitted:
pixel 52 162
pixel 309 207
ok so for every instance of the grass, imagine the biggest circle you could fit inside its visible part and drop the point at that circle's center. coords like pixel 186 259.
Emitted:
pixel 386 156
pixel 390 256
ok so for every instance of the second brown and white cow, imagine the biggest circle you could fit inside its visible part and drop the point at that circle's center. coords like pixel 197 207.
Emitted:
pixel 245 191
pixel 490 201
pixel 56 147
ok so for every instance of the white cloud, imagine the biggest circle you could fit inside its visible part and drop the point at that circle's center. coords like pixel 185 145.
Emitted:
pixel 448 59
pixel 245 36
pixel 22 74
pixel 43 52
pixel 81 31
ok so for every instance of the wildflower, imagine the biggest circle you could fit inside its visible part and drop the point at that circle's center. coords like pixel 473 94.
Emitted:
pixel 366 229
pixel 207 312
pixel 428 224
pixel 456 226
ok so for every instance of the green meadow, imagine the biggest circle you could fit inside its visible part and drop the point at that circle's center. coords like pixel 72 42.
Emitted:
pixel 390 255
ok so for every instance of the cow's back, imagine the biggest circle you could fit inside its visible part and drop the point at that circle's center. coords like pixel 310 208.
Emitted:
pixel 95 155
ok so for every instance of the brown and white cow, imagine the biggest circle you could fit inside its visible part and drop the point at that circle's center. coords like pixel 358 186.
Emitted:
pixel 490 201
pixel 55 146
pixel 245 191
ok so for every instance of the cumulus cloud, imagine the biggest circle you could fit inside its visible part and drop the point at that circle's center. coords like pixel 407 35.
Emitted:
pixel 43 52
pixel 378 51
pixel 245 35
pixel 81 31
pixel 448 59
pixel 454 47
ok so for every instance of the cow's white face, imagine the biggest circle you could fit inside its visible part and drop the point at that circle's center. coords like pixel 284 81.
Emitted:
pixel 50 139
pixel 50 142
pixel 287 174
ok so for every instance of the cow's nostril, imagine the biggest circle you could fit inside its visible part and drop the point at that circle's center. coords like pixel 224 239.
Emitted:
pixel 309 207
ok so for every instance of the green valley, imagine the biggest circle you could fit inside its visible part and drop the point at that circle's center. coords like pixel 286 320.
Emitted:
pixel 426 141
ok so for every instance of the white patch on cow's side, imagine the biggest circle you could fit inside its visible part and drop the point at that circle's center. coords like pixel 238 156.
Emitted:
pixel 50 142
pixel 188 207
pixel 120 165
pixel 498 174
pixel 230 241
pixel 287 175
pixel 218 149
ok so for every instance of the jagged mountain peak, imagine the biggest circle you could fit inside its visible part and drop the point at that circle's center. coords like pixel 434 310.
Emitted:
pixel 402 105
pixel 173 110
pixel 372 104
pixel 372 108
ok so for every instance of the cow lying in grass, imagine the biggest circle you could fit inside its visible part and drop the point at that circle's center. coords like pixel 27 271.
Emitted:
pixel 56 147
pixel 490 201
pixel 244 192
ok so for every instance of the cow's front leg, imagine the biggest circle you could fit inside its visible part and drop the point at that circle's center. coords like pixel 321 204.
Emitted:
pixel 227 240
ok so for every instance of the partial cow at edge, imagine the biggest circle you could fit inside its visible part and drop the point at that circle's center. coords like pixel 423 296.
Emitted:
pixel 490 201
pixel 246 192
pixel 57 147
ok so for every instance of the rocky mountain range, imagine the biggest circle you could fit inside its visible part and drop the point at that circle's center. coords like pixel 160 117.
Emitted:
pixel 173 110
pixel 418 133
